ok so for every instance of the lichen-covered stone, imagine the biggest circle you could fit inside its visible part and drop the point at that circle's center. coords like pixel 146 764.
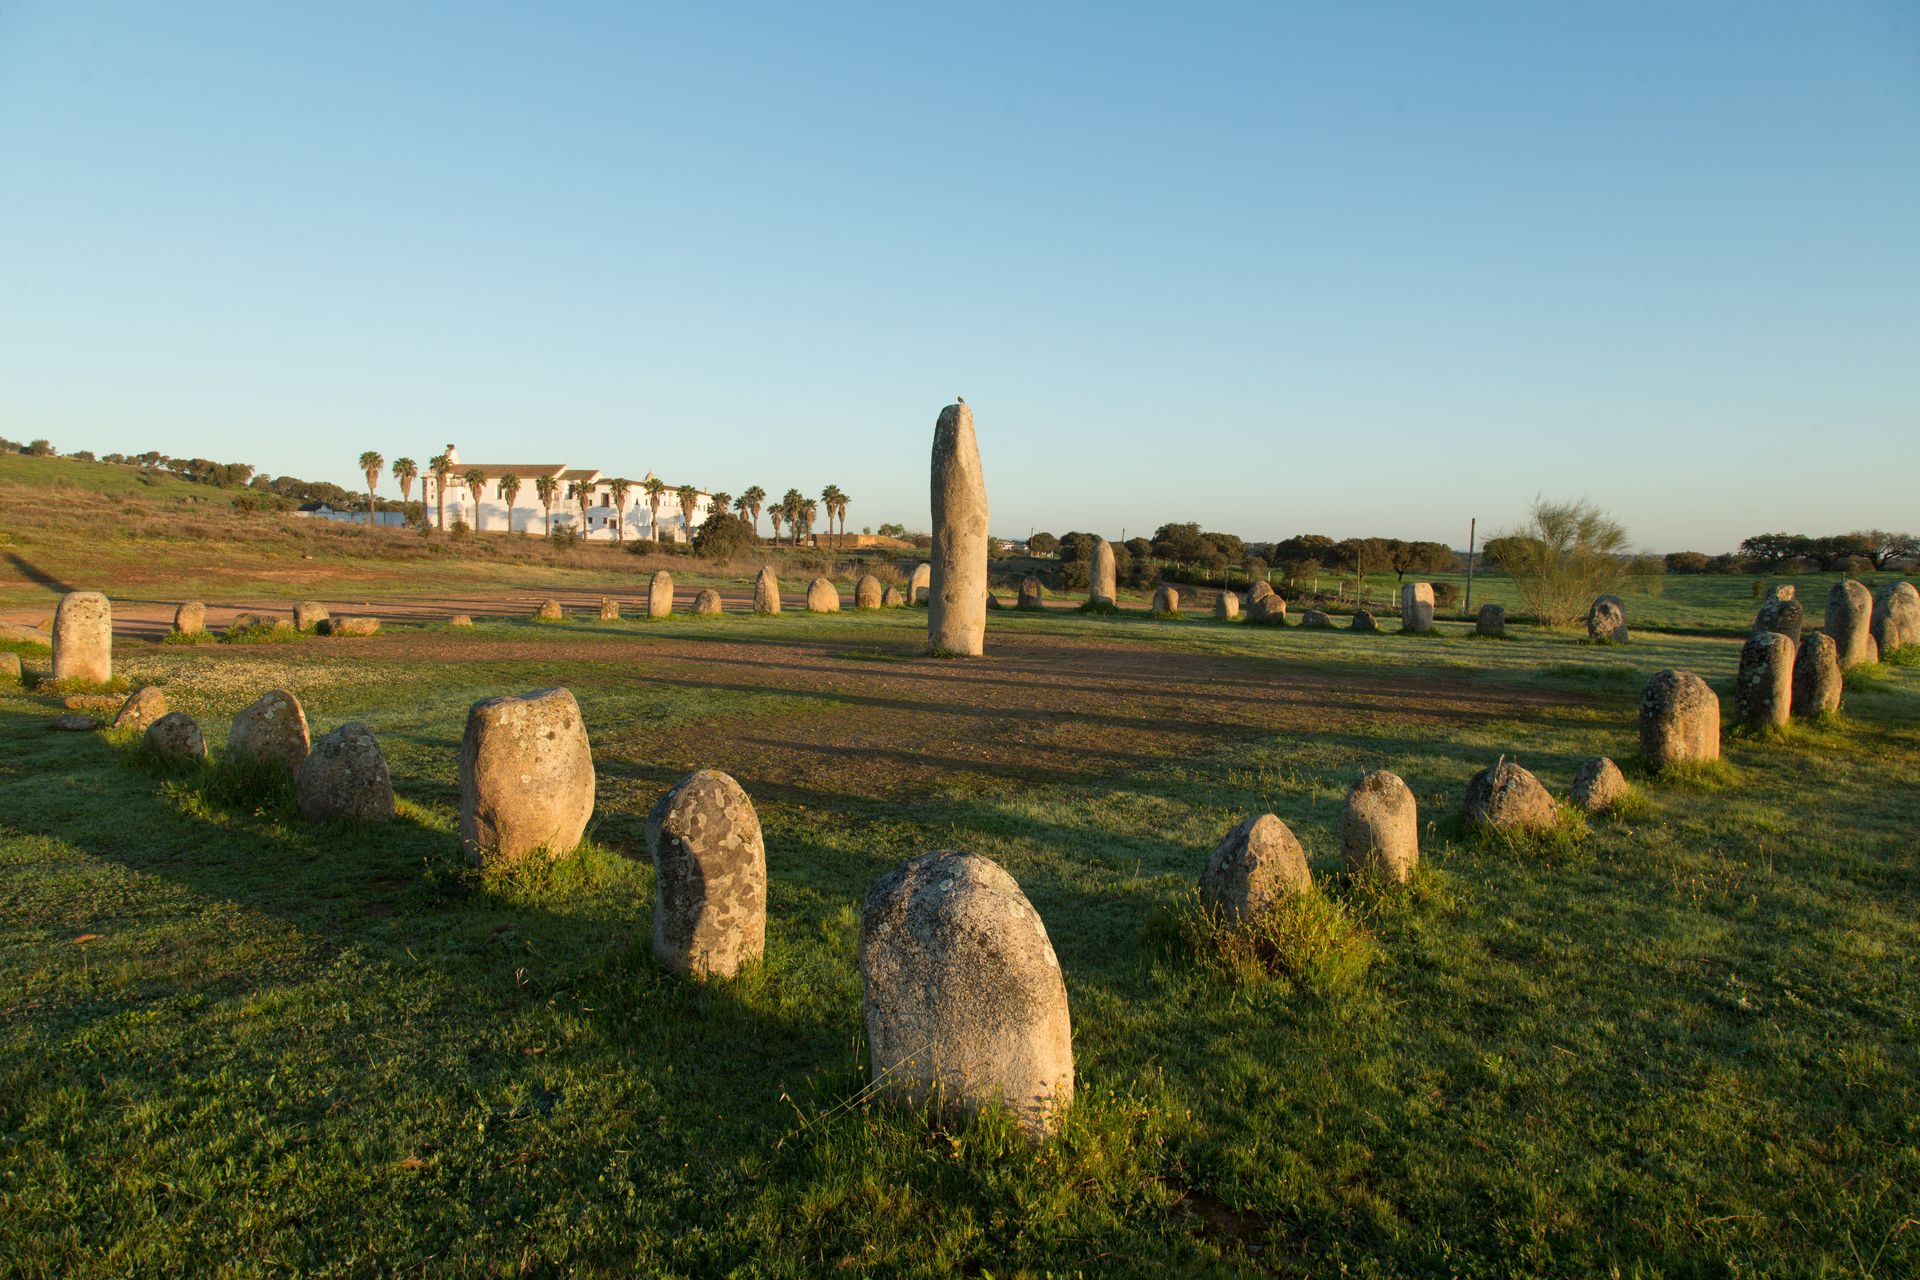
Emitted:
pixel 1363 621
pixel 1226 606
pixel 1850 622
pixel 190 619
pixel 549 611
pixel 609 609
pixel 1763 690
pixel 344 778
pixel 892 598
pixel 356 626
pixel 1256 866
pixel 270 733
pixel 710 876
pixel 308 615
pixel 526 777
pixel 1607 620
pixel 1032 594
pixel 1166 599
pixel 1315 620
pixel 660 595
pixel 1492 620
pixel 766 591
pixel 176 737
pixel 73 722
pixel 1679 719
pixel 142 707
pixel 1598 786
pixel 706 604
pixel 1508 798
pixel 1269 610
pixel 460 620
pixel 1817 683
pixel 83 638
pixel 1782 613
pixel 1416 607
pixel 1103 578
pixel 963 997
pixel 823 596
pixel 957 585
pixel 1896 617
pixel 1380 827
pixel 867 592
pixel 1258 592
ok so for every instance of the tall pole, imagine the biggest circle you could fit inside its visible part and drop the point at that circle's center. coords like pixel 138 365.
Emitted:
pixel 1473 528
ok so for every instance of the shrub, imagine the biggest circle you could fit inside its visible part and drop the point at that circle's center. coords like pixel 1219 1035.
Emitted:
pixel 722 537
pixel 1686 562
pixel 1446 595
pixel 1561 558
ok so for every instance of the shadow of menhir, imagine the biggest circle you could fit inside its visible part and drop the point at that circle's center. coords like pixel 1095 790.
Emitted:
pixel 33 573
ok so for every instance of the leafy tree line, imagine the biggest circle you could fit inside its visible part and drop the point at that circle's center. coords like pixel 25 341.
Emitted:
pixel 262 490
pixel 1189 550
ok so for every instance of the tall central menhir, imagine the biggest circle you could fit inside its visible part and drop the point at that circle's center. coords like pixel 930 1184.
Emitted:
pixel 957 601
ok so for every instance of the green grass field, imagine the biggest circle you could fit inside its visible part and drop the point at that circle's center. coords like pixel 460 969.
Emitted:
pixel 1685 1044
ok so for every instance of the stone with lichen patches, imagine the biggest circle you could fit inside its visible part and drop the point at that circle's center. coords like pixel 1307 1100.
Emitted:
pixel 710 876
pixel 1253 869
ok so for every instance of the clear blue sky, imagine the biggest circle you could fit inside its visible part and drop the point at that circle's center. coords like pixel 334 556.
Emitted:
pixel 1278 268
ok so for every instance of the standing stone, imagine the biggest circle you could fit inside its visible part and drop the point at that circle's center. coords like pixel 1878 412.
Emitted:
pixel 866 592
pixel 1679 719
pixel 892 599
pixel 1763 691
pixel 1260 591
pixel 271 733
pixel 920 584
pixel 175 736
pixel 1363 621
pixel 344 778
pixel 142 707
pixel 1315 620
pixel 74 722
pixel 549 611
pixel 963 997
pixel 1269 610
pixel 710 876
pixel 1253 869
pixel 1896 617
pixel 609 609
pixel 1607 620
pixel 660 595
pixel 707 603
pixel 1416 607
pixel 10 667
pixel 1380 828
pixel 823 596
pixel 1816 676
pixel 190 619
pixel 1492 620
pixel 1850 622
pixel 1032 595
pixel 1598 786
pixel 83 638
pixel 1506 797
pixel 957 595
pixel 308 615
pixel 766 591
pixel 361 626
pixel 1166 599
pixel 1226 606
pixel 994 601
pixel 1781 613
pixel 460 620
pixel 1103 585
pixel 526 777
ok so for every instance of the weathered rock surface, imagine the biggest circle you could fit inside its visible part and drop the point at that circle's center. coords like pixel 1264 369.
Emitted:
pixel 920 583
pixel 1269 610
pixel 867 592
pixel 270 733
pixel 344 778
pixel 892 599
pixel 1166 599
pixel 356 626
pixel 962 994
pixel 1363 621
pixel 660 594
pixel 957 587
pixel 176 736
pixel 526 777
pixel 14 633
pixel 1103 579
pixel 1508 798
pixel 1763 690
pixel 1896 617
pixel 549 611
pixel 1850 622
pixel 1257 865
pixel 1258 592
pixel 1380 827
pixel 1032 594
pixel 1607 620
pixel 1226 606
pixel 73 722
pixel 308 615
pixel 1679 719
pixel 142 707
pixel 710 876
pixel 190 619
pixel 83 638
pixel 1598 786
pixel 1316 620
pixel 460 620
pixel 1492 620
pixel 1416 606
pixel 609 609
pixel 823 596
pixel 1780 612
pixel 707 603
pixel 766 591
pixel 1817 684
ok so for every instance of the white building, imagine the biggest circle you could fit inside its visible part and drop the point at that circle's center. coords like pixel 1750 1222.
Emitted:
pixel 583 498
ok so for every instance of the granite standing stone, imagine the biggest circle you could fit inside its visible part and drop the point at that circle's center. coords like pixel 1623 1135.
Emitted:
pixel 1103 586
pixel 1226 606
pixel 526 777
pixel 460 620
pixel 190 619
pixel 1607 620
pixel 1598 786
pixel 270 733
pixel 920 584
pixel 142 707
pixel 609 609
pixel 1679 719
pixel 766 591
pixel 710 876
pixel 660 594
pixel 867 592
pixel 892 599
pixel 176 737
pixel 1253 869
pixel 1850 622
pixel 707 603
pixel 308 615
pixel 957 587
pixel 1380 828
pixel 1896 618
pixel 344 778
pixel 549 611
pixel 823 596
pixel 1363 621
pixel 1780 612
pixel 1492 620
pixel 1258 592
pixel 1416 607
pixel 1817 683
pixel 1269 610
pixel 1506 797
pixel 1166 599
pixel 1032 594
pixel 1316 620
pixel 83 638
pixel 1763 690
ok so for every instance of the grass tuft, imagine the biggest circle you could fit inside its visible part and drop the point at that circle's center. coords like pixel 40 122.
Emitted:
pixel 262 633
pixel 1690 775
pixel 1907 656
pixel 48 685
pixel 189 637
pixel 1099 607
pixel 1309 942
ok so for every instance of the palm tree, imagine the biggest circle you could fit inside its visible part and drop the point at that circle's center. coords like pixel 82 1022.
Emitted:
pixel 790 507
pixel 841 500
pixel 547 489
pixel 750 506
pixel 476 482
pixel 439 465
pixel 619 490
pixel 405 470
pixel 509 490
pixel 580 491
pixel 807 512
pixel 830 499
pixel 689 499
pixel 655 488
pixel 371 462
pixel 721 503
pixel 773 514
